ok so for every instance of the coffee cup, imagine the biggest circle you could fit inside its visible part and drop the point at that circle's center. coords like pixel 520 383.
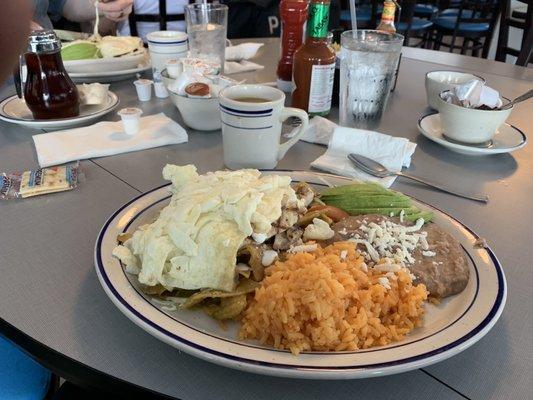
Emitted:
pixel 470 125
pixel 252 117
pixel 165 45
pixel 439 81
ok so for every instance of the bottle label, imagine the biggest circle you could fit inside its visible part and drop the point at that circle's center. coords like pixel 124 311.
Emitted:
pixel 317 24
pixel 321 88
pixel 389 8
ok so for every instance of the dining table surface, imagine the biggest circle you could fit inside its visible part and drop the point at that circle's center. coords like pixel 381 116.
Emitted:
pixel 53 307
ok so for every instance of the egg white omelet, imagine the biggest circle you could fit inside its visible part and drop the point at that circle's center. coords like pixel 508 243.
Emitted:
pixel 193 243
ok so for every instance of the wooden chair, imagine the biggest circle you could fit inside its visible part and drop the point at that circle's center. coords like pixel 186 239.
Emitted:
pixel 368 12
pixel 471 20
pixel 411 26
pixel 507 20
pixel 427 9
pixel 162 18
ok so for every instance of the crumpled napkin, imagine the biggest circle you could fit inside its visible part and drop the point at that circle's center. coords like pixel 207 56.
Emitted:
pixel 393 152
pixel 233 67
pixel 319 131
pixel 106 139
pixel 243 51
pixel 473 94
pixel 237 58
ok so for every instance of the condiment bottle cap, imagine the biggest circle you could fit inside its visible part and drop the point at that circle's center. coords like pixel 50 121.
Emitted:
pixel 43 41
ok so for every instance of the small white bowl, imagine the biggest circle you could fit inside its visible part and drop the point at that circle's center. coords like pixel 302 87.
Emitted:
pixel 439 81
pixel 469 125
pixel 199 114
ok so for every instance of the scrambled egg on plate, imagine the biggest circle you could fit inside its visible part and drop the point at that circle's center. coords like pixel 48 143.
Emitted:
pixel 193 243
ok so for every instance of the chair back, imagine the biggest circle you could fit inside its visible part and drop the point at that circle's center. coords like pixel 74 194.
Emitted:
pixel 162 18
pixel 477 11
pixel 506 21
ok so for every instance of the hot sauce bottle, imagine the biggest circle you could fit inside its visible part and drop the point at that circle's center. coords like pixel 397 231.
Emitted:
pixel 314 64
pixel 293 14
pixel 387 17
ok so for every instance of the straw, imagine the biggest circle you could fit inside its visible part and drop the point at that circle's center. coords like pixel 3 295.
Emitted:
pixel 354 18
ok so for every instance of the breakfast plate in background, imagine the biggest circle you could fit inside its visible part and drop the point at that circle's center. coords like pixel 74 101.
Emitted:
pixel 14 110
pixel 109 76
pixel 507 139
pixel 449 328
pixel 104 65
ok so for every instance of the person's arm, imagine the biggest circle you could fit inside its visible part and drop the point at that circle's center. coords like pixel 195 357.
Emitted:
pixel 83 10
pixel 14 29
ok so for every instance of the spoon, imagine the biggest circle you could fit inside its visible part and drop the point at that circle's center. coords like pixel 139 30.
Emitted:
pixel 519 99
pixel 374 168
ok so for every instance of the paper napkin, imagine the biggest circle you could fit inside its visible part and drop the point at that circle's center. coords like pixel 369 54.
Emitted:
pixel 393 152
pixel 243 51
pixel 106 139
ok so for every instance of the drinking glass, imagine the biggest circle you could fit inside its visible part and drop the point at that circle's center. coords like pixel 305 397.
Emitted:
pixel 368 63
pixel 207 26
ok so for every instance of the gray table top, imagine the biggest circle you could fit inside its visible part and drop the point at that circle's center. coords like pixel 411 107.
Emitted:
pixel 49 289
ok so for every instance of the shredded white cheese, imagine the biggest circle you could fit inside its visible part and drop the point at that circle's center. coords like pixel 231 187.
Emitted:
pixel 429 253
pixel 303 248
pixel 387 267
pixel 344 254
pixel 390 240
pixel 402 213
pixel 383 281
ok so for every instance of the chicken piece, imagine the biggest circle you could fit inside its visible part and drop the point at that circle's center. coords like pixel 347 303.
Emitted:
pixel 287 239
pixel 305 192
pixel 288 219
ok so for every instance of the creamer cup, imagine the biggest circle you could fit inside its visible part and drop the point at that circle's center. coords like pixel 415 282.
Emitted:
pixel 144 89
pixel 131 120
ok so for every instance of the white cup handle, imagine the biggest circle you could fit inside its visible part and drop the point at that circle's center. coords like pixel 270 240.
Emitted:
pixel 302 116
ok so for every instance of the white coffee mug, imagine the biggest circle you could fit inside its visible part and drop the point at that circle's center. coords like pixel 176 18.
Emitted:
pixel 251 130
pixel 165 45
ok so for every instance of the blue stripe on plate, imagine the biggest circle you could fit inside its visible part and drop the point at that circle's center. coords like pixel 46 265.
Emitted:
pixel 497 306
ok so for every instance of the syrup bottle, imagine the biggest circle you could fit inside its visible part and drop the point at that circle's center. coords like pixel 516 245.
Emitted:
pixel 49 92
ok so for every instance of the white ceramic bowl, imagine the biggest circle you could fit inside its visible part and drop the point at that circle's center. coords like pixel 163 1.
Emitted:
pixel 469 125
pixel 199 114
pixel 439 81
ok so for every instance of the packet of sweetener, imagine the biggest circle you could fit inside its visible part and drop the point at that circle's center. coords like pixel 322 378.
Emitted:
pixel 41 181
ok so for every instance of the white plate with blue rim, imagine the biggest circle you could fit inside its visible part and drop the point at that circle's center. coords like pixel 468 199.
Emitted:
pixel 449 328
pixel 14 110
pixel 507 139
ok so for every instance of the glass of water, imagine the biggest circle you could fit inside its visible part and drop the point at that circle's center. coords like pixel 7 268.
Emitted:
pixel 368 64
pixel 206 27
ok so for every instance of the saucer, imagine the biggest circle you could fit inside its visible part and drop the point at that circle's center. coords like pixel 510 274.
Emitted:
pixel 506 140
